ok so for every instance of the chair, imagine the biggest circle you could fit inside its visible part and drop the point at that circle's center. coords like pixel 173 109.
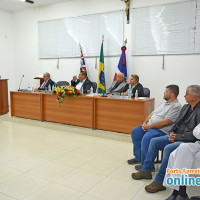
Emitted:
pixel 146 92
pixel 61 83
pixel 94 85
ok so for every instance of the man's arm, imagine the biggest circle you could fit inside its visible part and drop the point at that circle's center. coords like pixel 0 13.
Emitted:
pixel 147 119
pixel 144 125
pixel 189 136
pixel 74 81
pixel 109 89
pixel 125 88
pixel 160 124
pixel 186 137
pixel 86 86
pixel 170 117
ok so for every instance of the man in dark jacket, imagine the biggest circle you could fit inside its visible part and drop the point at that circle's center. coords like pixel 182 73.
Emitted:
pixel 118 85
pixel 83 83
pixel 46 83
pixel 182 131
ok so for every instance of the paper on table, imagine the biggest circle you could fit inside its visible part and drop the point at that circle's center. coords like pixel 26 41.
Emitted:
pixel 142 97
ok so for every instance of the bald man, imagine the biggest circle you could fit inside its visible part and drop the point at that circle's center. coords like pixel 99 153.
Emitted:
pixel 46 83
pixel 118 85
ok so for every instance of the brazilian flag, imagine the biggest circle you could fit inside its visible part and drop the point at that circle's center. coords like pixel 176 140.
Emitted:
pixel 101 74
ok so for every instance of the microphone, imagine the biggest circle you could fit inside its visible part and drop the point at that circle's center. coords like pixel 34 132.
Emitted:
pixel 20 83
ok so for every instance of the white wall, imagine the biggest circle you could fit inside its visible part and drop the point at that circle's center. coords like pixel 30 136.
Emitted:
pixel 182 70
pixel 6 48
pixel 26 42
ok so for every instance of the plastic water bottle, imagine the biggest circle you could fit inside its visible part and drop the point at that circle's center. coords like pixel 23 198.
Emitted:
pixel 81 90
pixel 91 90
pixel 0 76
pixel 29 87
pixel 49 87
pixel 53 88
pixel 136 95
pixel 129 91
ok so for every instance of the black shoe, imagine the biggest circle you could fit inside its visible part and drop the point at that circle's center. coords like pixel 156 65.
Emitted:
pixel 195 198
pixel 171 197
pixel 181 198
pixel 139 168
pixel 132 161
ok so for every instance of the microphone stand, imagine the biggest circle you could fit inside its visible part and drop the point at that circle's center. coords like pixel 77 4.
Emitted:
pixel 20 83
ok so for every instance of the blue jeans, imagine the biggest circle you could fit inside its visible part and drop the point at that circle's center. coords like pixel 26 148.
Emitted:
pixel 156 144
pixel 141 140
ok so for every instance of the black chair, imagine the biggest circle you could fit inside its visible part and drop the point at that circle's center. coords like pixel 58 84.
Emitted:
pixel 94 85
pixel 61 83
pixel 146 92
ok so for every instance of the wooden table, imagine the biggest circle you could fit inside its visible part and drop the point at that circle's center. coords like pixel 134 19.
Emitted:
pixel 4 96
pixel 44 107
pixel 120 115
pixel 74 111
pixel 26 104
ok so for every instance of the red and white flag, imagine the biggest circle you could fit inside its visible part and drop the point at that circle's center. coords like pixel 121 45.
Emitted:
pixel 83 67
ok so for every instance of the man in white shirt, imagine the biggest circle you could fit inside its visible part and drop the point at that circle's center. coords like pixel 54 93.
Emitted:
pixel 187 155
pixel 82 83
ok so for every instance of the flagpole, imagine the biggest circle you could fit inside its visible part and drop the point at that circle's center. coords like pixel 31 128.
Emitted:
pixel 101 75
pixel 80 46
pixel 125 42
pixel 81 59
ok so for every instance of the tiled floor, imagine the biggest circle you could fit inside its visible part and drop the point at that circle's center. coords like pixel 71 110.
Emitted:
pixel 46 161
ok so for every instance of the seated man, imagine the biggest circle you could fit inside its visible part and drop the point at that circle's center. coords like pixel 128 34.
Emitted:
pixel 116 87
pixel 182 131
pixel 46 83
pixel 183 157
pixel 158 123
pixel 83 83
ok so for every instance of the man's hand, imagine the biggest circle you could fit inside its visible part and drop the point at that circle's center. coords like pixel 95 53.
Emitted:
pixel 74 78
pixel 145 127
pixel 172 137
pixel 36 89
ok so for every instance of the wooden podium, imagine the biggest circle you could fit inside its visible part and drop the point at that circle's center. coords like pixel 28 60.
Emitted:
pixel 3 96
pixel 41 79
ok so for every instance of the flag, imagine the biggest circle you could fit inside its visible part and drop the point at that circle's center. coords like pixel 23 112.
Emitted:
pixel 101 74
pixel 122 65
pixel 83 67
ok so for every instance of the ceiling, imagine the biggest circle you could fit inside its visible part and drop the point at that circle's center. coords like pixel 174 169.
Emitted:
pixel 14 5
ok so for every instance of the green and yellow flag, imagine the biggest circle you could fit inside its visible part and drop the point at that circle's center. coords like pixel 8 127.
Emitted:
pixel 101 74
